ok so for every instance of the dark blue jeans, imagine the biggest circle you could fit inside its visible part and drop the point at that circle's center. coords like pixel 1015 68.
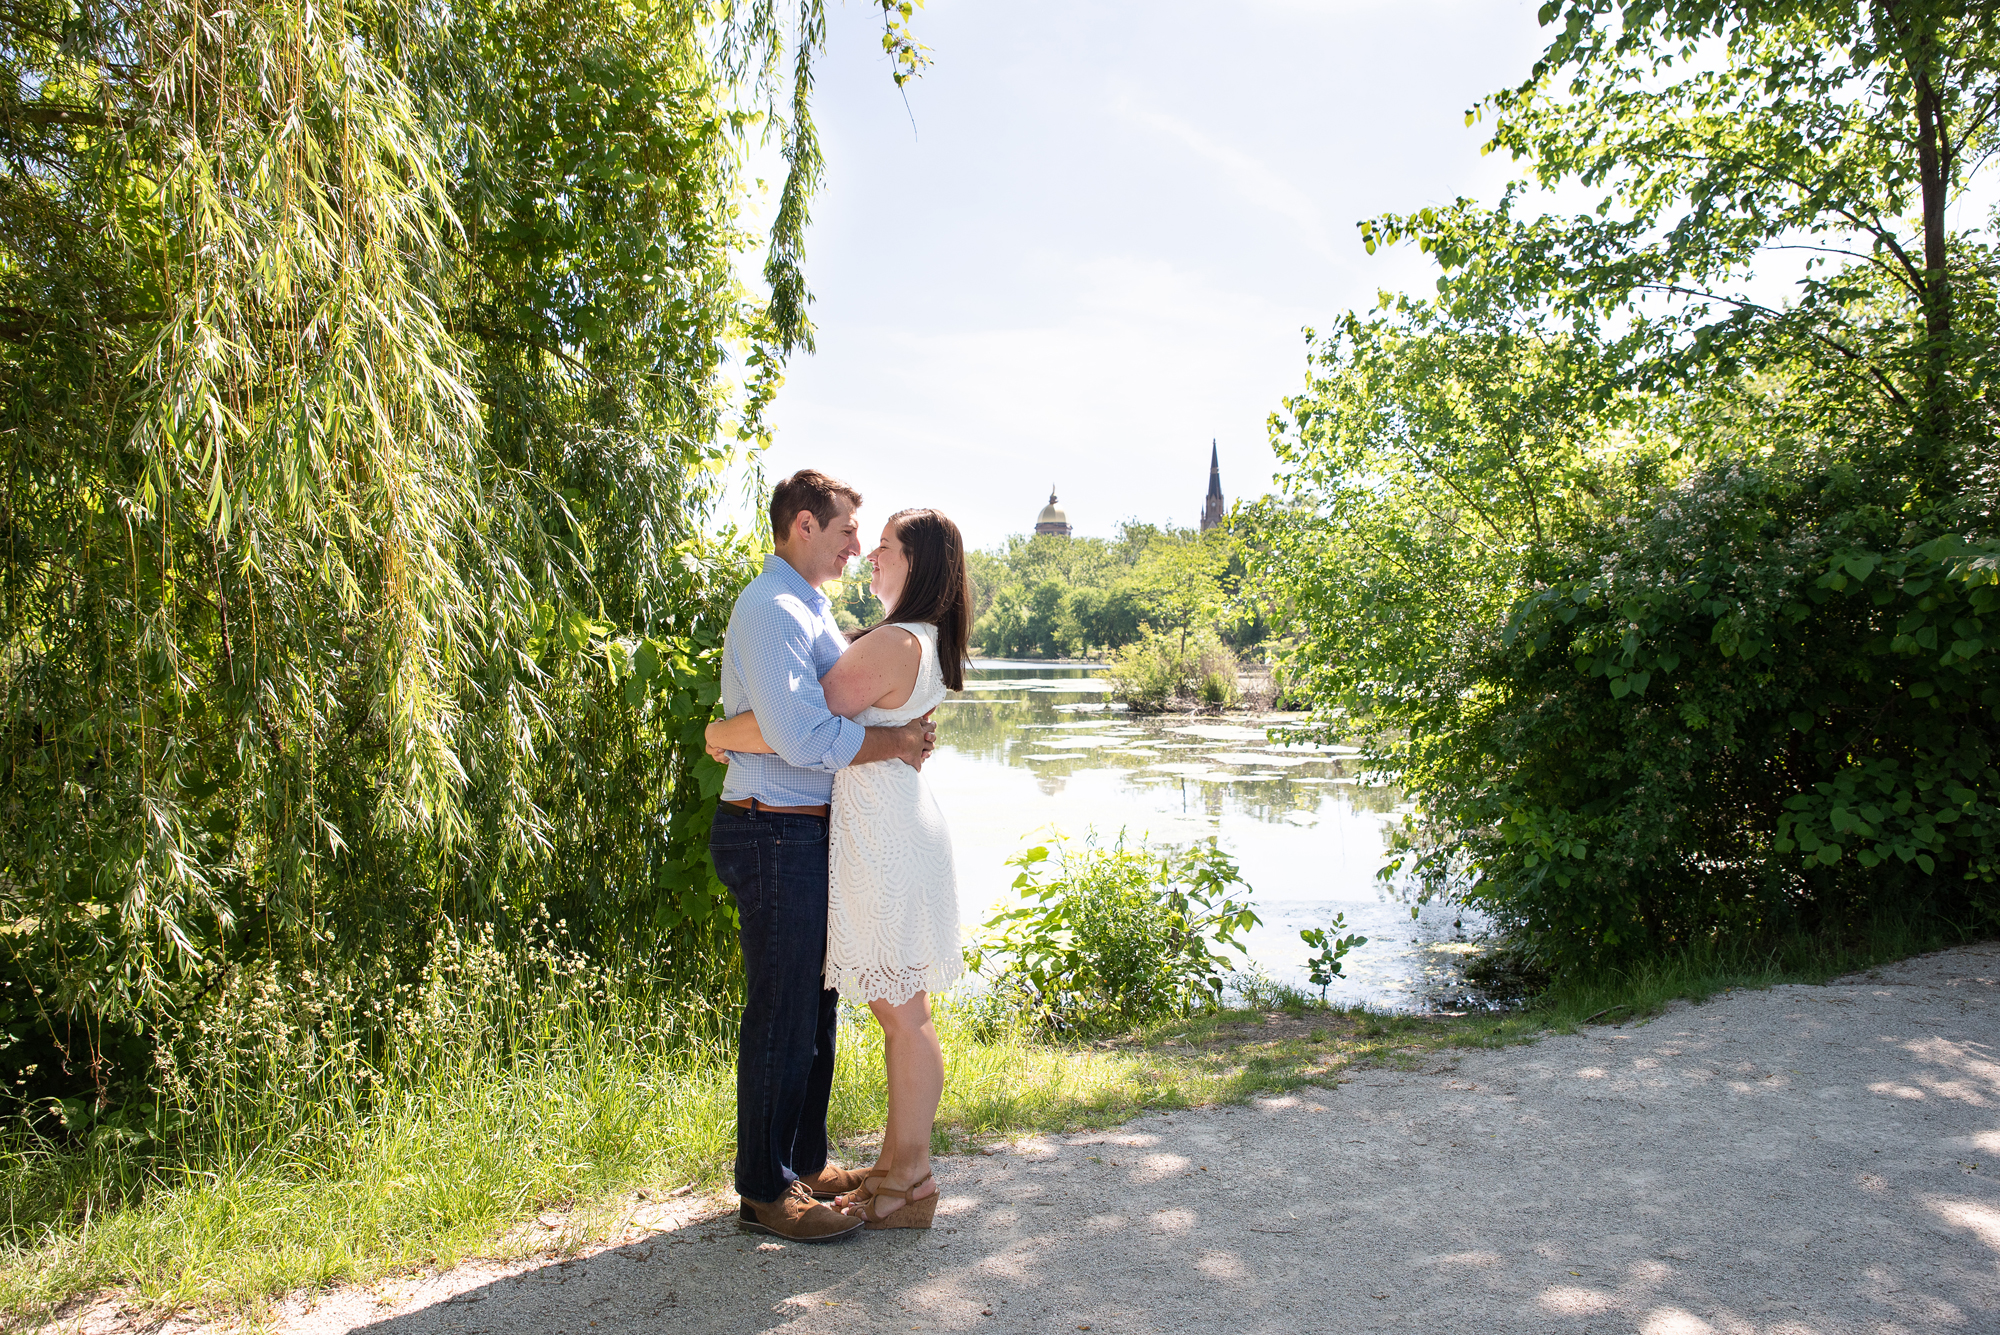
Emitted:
pixel 775 865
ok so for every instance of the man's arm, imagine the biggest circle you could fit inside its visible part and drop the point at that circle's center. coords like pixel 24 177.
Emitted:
pixel 791 710
pixel 910 743
pixel 784 691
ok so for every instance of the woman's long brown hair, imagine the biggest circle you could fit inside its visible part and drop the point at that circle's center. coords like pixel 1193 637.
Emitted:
pixel 939 589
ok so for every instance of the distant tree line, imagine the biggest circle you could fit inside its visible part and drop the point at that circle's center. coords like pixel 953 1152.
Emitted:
pixel 1041 596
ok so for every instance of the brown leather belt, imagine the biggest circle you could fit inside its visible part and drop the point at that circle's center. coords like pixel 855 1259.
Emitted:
pixel 753 806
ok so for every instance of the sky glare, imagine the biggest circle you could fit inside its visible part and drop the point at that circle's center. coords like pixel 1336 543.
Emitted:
pixel 1089 243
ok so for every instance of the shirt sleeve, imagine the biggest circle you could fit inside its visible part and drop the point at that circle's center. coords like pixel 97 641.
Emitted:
pixel 784 691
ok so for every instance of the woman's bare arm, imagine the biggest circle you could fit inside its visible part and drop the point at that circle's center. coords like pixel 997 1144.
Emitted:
pixel 880 669
pixel 742 734
pixel 736 734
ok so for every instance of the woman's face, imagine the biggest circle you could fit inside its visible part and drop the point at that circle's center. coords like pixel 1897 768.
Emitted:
pixel 892 568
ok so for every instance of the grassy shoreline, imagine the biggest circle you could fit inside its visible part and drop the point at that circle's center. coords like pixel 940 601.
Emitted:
pixel 446 1167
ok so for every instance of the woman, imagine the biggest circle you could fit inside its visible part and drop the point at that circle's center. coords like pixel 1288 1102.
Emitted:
pixel 892 909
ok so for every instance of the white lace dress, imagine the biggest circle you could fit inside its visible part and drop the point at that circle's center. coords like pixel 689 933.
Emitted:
pixel 892 904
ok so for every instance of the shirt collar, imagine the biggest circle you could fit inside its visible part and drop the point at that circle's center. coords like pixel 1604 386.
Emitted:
pixel 781 568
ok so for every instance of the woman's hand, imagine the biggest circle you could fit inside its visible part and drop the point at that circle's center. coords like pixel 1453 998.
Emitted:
pixel 739 734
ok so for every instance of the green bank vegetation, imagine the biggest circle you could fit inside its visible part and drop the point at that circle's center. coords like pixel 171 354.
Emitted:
pixel 345 1143
pixel 365 373
pixel 1673 607
pixel 362 432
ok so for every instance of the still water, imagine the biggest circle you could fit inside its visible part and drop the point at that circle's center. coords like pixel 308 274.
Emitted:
pixel 1031 748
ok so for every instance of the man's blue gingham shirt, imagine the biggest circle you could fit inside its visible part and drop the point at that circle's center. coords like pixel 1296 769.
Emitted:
pixel 782 638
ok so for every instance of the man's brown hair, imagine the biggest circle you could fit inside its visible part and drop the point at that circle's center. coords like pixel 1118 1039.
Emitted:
pixel 809 490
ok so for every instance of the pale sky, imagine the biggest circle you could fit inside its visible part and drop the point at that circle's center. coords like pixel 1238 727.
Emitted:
pixel 1096 249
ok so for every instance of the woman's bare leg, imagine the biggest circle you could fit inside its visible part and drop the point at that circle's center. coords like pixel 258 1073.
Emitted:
pixel 916 1083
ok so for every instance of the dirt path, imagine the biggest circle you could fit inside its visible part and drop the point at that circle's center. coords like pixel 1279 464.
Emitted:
pixel 1808 1159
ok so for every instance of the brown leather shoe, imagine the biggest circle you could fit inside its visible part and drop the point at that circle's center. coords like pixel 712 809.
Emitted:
pixel 796 1217
pixel 832 1181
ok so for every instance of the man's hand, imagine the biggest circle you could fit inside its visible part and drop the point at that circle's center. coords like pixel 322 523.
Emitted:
pixel 715 753
pixel 911 743
pixel 917 740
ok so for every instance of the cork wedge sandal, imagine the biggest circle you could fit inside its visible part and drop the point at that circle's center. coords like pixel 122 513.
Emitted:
pixel 912 1213
pixel 861 1195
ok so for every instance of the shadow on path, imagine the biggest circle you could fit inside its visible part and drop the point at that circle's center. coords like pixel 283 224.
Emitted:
pixel 1807 1159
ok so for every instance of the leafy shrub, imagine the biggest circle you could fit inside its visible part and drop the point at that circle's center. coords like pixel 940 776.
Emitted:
pixel 1756 701
pixel 1673 623
pixel 1754 708
pixel 1114 937
pixel 1160 670
pixel 1332 948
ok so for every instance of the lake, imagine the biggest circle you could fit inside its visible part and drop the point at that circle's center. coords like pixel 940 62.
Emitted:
pixel 1034 747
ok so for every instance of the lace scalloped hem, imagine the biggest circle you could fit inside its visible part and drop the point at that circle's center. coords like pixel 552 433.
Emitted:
pixel 893 983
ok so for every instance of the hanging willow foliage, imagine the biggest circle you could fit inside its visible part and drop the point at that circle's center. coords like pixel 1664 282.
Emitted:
pixel 361 408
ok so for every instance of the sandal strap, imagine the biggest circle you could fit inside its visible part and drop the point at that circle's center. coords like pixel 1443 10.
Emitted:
pixel 902 1195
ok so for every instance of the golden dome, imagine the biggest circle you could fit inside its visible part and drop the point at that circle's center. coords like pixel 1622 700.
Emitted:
pixel 1052 513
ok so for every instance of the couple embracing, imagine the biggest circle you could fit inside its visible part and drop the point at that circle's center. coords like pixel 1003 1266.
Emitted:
pixel 836 853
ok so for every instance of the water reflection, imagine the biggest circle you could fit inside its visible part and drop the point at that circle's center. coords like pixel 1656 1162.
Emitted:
pixel 1031 746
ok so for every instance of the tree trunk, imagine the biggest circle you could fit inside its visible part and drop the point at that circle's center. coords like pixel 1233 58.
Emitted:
pixel 1934 170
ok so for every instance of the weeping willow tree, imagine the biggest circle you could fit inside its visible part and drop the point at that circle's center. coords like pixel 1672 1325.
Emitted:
pixel 363 394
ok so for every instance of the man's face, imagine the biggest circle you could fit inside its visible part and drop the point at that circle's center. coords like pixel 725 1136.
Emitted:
pixel 822 554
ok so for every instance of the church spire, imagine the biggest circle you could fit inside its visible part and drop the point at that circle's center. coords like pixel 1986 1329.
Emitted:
pixel 1212 507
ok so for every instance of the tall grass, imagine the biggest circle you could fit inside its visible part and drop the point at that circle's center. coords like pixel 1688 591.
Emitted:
pixel 316 1130
pixel 1700 971
pixel 502 1085
pixel 331 1144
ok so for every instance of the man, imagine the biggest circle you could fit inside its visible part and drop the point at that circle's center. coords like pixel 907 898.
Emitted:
pixel 770 848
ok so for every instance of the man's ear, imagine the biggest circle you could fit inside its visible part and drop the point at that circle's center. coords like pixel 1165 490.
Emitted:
pixel 802 530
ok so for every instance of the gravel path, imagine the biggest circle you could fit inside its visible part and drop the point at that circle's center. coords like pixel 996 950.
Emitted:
pixel 1806 1159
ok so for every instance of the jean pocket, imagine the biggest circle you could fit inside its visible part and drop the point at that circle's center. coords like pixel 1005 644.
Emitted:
pixel 740 865
pixel 802 830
